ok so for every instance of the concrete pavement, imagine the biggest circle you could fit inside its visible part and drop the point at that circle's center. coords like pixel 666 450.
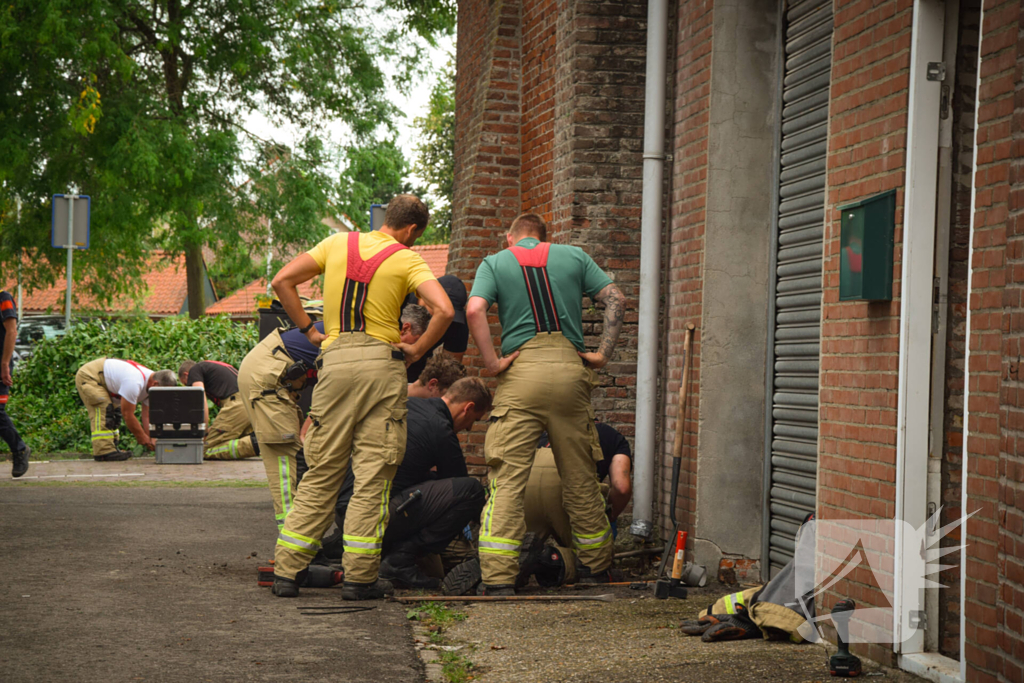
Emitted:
pixel 159 584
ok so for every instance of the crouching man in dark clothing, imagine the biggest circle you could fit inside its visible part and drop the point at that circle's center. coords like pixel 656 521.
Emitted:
pixel 434 474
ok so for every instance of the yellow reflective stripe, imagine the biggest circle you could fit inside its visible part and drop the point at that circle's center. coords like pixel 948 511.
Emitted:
pixel 732 601
pixel 498 539
pixel 739 598
pixel 296 548
pixel 495 551
pixel 607 530
pixel 363 539
pixel 300 537
pixel 489 514
pixel 285 484
pixel 362 551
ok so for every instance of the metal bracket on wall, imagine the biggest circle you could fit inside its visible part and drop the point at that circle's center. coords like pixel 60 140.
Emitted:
pixel 936 71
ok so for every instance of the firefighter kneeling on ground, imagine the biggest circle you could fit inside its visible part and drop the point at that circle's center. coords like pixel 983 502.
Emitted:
pixel 105 380
pixel 230 437
pixel 547 552
pixel 445 499
pixel 270 379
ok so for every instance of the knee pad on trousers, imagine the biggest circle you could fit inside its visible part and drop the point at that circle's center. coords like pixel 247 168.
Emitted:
pixel 113 416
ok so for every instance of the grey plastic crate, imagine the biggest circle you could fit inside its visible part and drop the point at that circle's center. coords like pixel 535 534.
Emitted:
pixel 179 452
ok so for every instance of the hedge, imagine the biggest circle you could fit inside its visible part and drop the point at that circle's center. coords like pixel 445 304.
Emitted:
pixel 44 404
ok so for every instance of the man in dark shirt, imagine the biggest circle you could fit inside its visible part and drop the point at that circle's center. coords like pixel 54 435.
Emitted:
pixel 456 337
pixel 230 437
pixel 8 335
pixel 435 467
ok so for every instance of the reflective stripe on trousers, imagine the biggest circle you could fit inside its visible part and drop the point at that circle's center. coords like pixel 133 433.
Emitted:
pixel 298 542
pixel 732 602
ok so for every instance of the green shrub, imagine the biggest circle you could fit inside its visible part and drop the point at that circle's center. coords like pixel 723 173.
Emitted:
pixel 44 404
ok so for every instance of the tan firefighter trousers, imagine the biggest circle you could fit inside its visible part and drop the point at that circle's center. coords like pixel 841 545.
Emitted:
pixel 228 436
pixel 546 388
pixel 104 411
pixel 358 411
pixel 545 514
pixel 275 417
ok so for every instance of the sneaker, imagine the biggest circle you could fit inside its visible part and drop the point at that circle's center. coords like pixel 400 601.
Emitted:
pixel 499 590
pixel 377 590
pixel 21 462
pixel 401 570
pixel 463 578
pixel 285 588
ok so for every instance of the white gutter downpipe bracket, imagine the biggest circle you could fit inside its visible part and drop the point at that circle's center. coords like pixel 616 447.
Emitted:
pixel 650 270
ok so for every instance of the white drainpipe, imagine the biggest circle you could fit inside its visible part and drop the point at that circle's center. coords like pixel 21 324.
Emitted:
pixel 646 443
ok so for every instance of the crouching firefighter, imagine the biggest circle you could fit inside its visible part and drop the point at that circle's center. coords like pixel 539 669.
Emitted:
pixel 230 436
pixel 539 289
pixel 359 403
pixel 432 485
pixel 270 379
pixel 112 388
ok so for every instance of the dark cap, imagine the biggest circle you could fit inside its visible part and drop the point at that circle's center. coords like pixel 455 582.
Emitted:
pixel 456 291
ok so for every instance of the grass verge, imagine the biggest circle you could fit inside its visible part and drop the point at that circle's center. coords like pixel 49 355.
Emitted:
pixel 437 617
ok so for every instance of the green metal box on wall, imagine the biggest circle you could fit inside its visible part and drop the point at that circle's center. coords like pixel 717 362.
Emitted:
pixel 866 243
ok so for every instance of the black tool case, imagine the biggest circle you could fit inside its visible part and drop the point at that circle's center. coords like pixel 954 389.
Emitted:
pixel 176 413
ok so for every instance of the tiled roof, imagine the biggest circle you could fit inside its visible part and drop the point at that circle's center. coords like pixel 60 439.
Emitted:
pixel 436 256
pixel 165 292
pixel 242 302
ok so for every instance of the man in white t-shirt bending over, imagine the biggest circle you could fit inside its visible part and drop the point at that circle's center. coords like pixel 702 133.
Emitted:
pixel 110 388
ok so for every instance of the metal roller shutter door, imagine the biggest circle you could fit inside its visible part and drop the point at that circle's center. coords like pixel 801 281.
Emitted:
pixel 797 302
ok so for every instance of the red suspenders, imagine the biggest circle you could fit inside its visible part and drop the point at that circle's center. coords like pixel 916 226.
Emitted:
pixel 534 263
pixel 357 280
pixel 137 367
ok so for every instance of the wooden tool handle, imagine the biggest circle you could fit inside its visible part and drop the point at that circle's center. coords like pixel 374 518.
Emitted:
pixel 677 444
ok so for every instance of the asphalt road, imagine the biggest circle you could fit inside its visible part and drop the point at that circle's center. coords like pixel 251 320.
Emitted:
pixel 159 584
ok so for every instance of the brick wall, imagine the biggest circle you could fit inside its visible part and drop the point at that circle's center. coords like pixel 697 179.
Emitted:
pixel 549 119
pixel 860 340
pixel 683 292
pixel 994 599
pixel 538 105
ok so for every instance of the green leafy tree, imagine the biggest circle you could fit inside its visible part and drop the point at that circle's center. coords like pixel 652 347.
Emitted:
pixel 374 173
pixel 142 105
pixel 435 155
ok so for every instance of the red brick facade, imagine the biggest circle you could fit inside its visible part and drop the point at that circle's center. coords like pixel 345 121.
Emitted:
pixel 550 119
pixel 686 241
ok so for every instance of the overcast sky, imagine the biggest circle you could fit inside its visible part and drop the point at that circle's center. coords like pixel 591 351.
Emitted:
pixel 414 105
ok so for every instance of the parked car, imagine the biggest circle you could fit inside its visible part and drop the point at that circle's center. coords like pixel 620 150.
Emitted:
pixel 32 329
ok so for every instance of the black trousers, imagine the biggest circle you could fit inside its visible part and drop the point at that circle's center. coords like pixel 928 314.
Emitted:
pixel 8 433
pixel 427 526
pixel 442 512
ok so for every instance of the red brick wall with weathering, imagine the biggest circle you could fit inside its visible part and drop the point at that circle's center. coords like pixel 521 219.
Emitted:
pixel 683 291
pixel 994 591
pixel 860 340
pixel 538 105
pixel 549 119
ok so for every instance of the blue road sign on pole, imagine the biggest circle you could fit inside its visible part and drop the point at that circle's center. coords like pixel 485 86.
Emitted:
pixel 69 229
pixel 377 215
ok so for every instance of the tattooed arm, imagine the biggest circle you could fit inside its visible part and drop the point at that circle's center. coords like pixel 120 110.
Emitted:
pixel 614 311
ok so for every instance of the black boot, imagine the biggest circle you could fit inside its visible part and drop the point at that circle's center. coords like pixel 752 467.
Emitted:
pixel 584 575
pixel 285 588
pixel 401 570
pixel 255 443
pixel 377 590
pixel 21 462
pixel 500 590
pixel 115 456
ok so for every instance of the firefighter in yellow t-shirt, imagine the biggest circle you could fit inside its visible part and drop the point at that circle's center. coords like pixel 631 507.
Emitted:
pixel 358 410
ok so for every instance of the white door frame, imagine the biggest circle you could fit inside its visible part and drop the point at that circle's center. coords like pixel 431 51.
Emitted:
pixel 916 287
